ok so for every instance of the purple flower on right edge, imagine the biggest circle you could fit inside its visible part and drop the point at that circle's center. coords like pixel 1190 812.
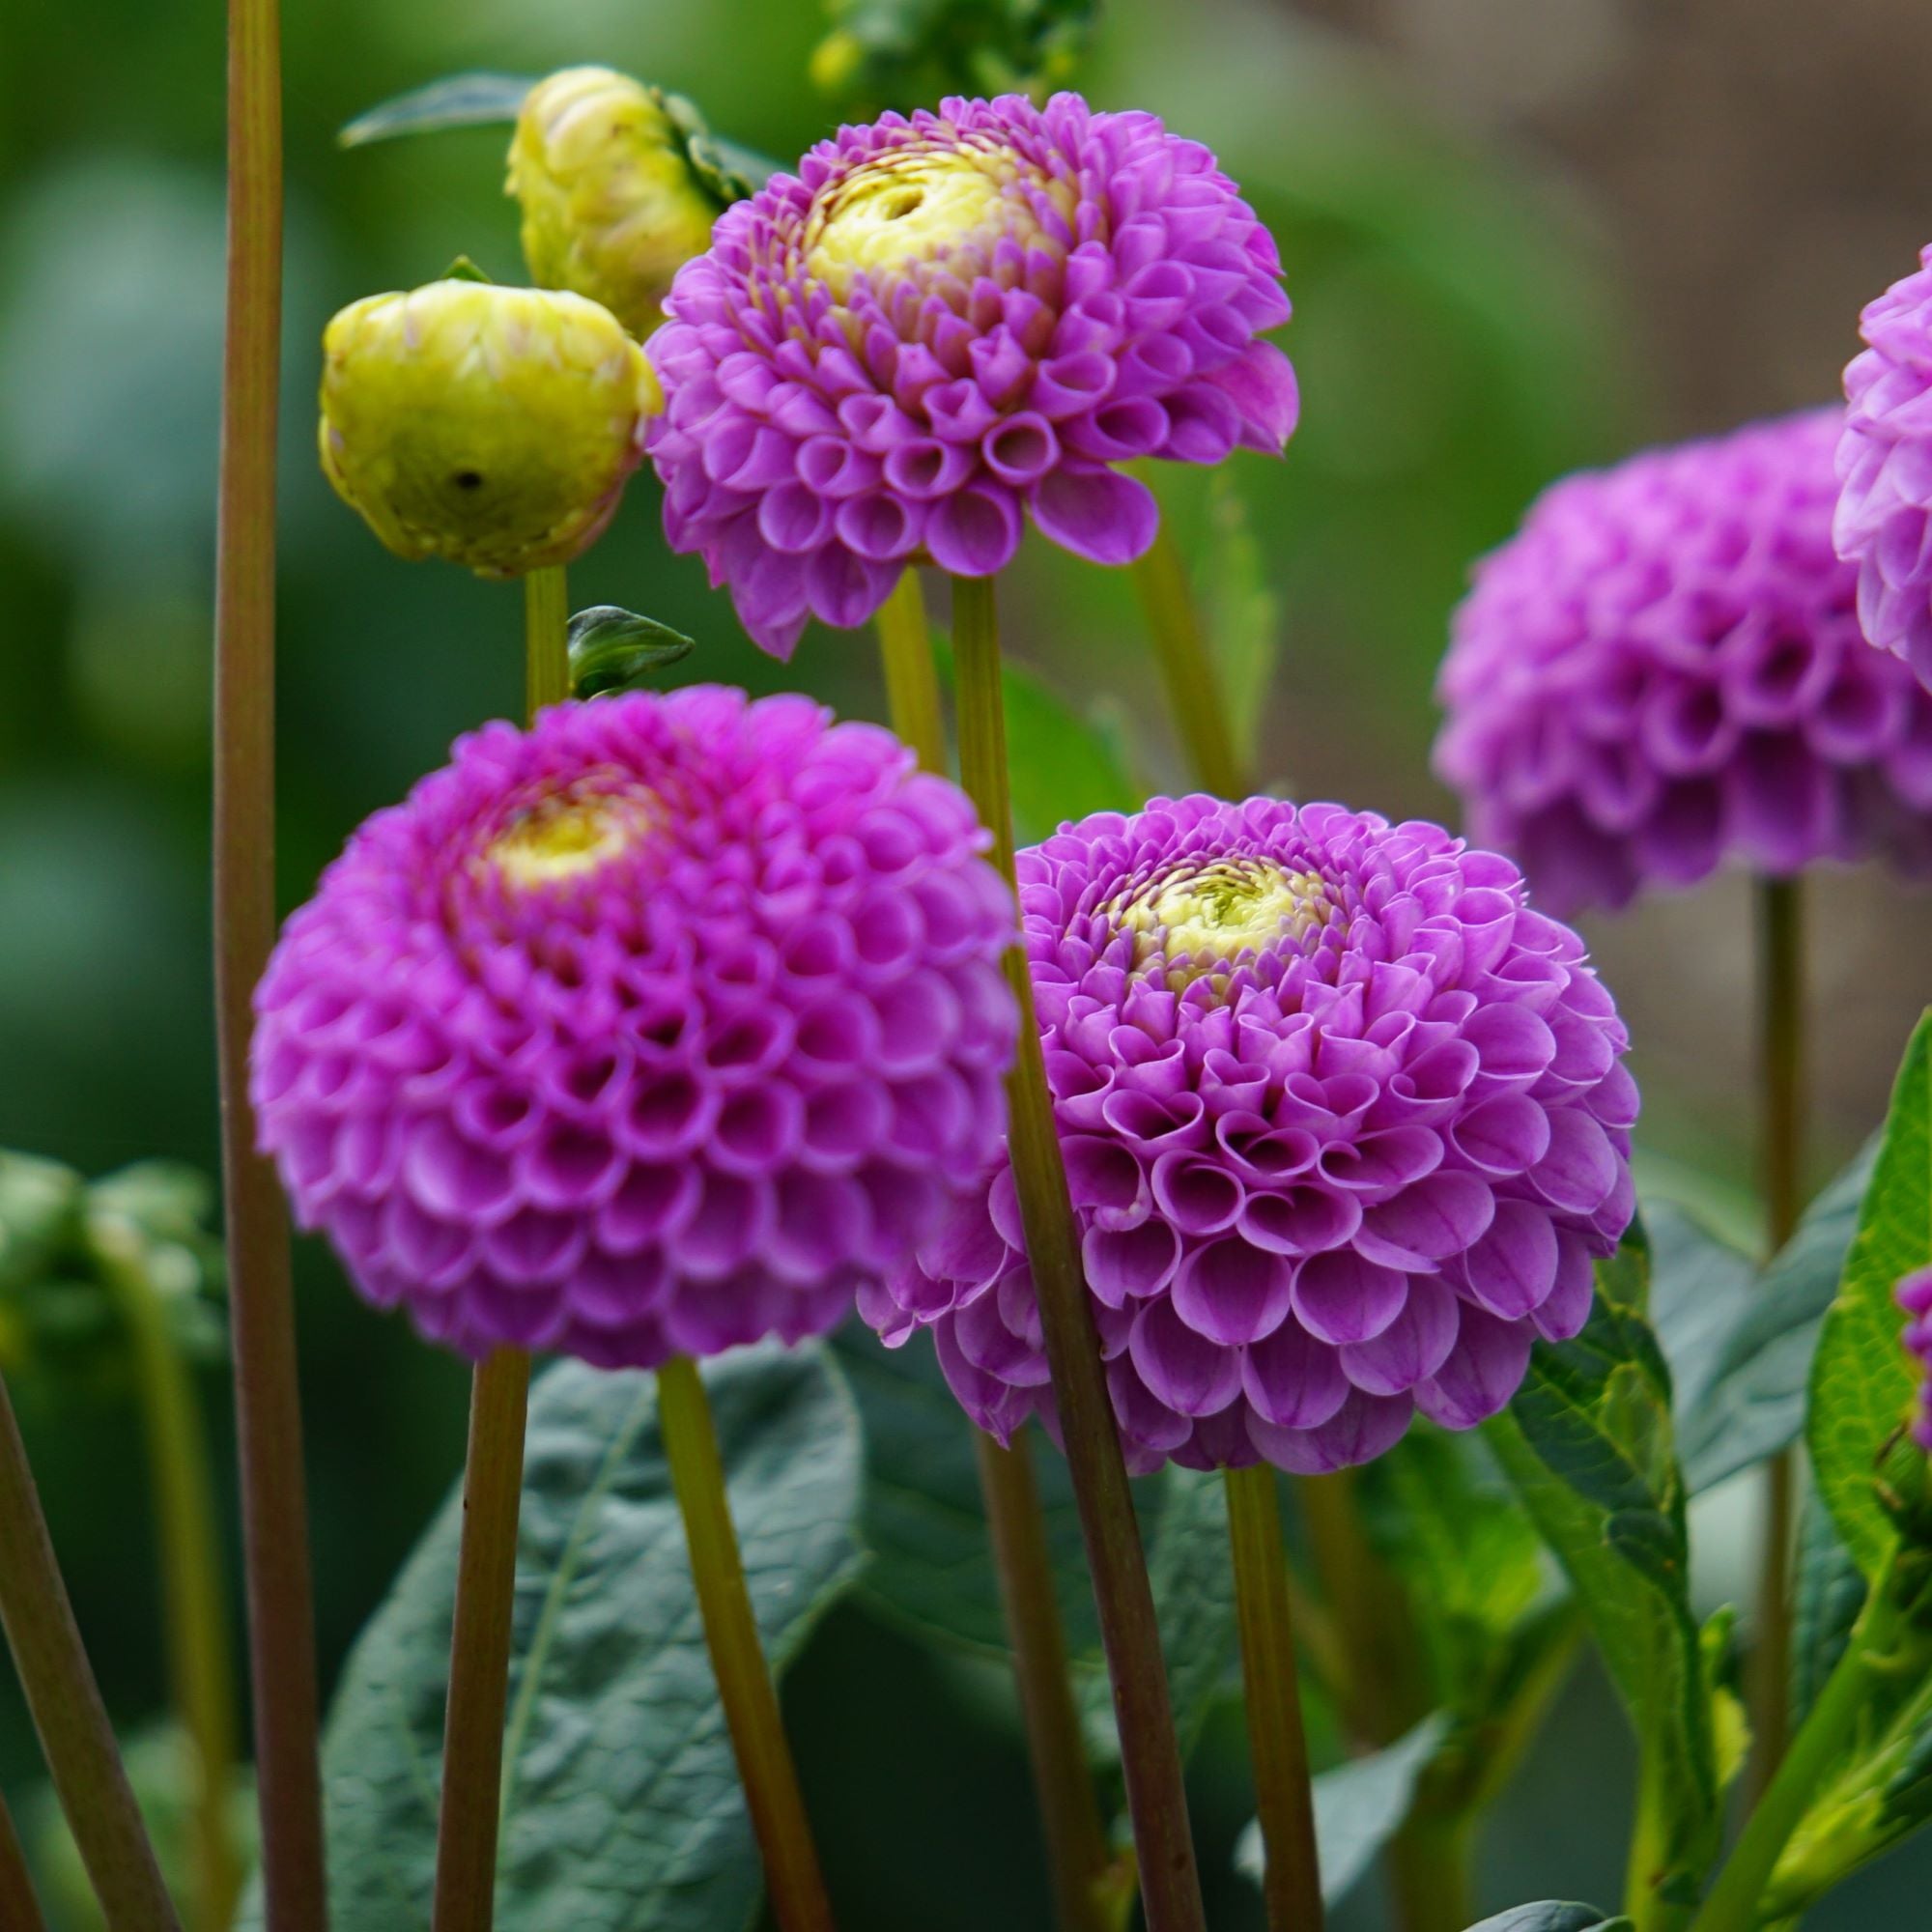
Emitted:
pixel 1915 1296
pixel 1664 668
pixel 1885 464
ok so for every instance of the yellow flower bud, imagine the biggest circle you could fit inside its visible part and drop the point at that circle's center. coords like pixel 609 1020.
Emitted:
pixel 612 205
pixel 494 427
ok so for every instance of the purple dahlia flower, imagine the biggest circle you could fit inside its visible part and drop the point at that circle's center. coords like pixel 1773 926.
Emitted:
pixel 941 323
pixel 657 1027
pixel 1665 665
pixel 1884 462
pixel 1344 1125
pixel 1915 1296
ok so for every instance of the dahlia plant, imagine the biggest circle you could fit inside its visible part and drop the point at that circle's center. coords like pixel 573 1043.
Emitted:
pixel 1276 1157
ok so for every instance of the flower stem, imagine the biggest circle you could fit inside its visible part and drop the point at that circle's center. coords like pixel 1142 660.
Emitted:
pixel 19 1909
pixel 200 1663
pixel 1076 1839
pixel 1194 692
pixel 267 1397
pixel 744 1687
pixel 1429 1873
pixel 1292 1875
pixel 1780 943
pixel 469 1820
pixel 1149 1750
pixel 65 1701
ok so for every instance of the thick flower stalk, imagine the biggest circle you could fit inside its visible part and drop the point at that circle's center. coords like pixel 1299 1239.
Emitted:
pixel 942 325
pixel 653 1030
pixel 1665 668
pixel 1915 1297
pixel 493 427
pixel 1885 462
pixel 611 204
pixel 1346 1124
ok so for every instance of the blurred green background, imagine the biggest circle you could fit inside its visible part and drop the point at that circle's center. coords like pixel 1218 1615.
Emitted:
pixel 1520 234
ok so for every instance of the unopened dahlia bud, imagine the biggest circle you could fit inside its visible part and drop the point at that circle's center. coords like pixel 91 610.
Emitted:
pixel 1915 1296
pixel 494 427
pixel 1663 669
pixel 612 205
pixel 660 1027
pixel 1885 462
pixel 1345 1125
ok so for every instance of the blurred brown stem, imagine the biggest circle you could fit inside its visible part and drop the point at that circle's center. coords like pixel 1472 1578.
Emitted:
pixel 19 1909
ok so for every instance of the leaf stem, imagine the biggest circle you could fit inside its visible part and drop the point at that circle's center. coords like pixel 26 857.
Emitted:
pixel 1076 1839
pixel 792 1877
pixel 65 1701
pixel 1149 1750
pixel 1194 692
pixel 267 1395
pixel 19 1909
pixel 1292 1874
pixel 1780 948
pixel 469 1820
pixel 200 1662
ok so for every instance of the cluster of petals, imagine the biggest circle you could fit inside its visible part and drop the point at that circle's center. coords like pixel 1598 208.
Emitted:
pixel 943 323
pixel 1665 667
pixel 657 1027
pixel 1326 1177
pixel 1915 1296
pixel 1885 464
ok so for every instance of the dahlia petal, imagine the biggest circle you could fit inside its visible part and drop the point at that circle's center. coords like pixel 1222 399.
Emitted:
pixel 1097 514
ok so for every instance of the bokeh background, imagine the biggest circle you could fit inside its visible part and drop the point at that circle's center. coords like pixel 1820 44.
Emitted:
pixel 1521 236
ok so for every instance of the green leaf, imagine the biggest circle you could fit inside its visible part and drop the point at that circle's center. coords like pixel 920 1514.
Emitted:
pixel 1359 1806
pixel 612 649
pixel 1587 1442
pixel 1862 1383
pixel 1750 1405
pixel 622 1800
pixel 1242 613
pixel 458 100
pixel 39 1216
pixel 1829 1593
pixel 1553 1916
pixel 1699 1288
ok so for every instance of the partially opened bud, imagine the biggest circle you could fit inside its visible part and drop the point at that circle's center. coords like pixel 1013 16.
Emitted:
pixel 494 427
pixel 612 204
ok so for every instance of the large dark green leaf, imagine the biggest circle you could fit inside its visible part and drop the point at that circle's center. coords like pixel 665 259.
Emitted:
pixel 1552 1916
pixel 1750 1404
pixel 1862 1383
pixel 1829 1593
pixel 1699 1287
pixel 623 1807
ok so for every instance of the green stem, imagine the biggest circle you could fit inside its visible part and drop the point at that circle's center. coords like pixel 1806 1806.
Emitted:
pixel 200 1664
pixel 267 1395
pixel 1862 1672
pixel 1292 1875
pixel 1429 1869
pixel 1149 1750
pixel 19 1909
pixel 1076 1838
pixel 1187 668
pixel 792 1878
pixel 1780 942
pixel 470 1819
pixel 75 1737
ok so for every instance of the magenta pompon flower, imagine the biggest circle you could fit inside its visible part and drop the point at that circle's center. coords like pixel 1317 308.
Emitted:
pixel 1884 466
pixel 1346 1124
pixel 941 323
pixel 1915 1297
pixel 1664 667
pixel 659 1027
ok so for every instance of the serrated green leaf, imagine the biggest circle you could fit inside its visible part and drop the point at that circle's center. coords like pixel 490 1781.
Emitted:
pixel 457 101
pixel 1553 1916
pixel 1359 1806
pixel 1862 1383
pixel 623 1807
pixel 1750 1405
pixel 1827 1595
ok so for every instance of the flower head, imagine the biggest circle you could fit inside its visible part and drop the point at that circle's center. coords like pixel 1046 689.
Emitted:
pixel 612 205
pixel 940 323
pixel 657 1027
pixel 1664 667
pixel 1884 462
pixel 494 427
pixel 1344 1125
pixel 1915 1296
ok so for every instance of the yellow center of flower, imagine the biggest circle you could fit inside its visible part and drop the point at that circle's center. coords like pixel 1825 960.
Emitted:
pixel 907 207
pixel 1207 917
pixel 565 838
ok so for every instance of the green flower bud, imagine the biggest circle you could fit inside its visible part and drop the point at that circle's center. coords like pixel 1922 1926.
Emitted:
pixel 494 427
pixel 613 205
